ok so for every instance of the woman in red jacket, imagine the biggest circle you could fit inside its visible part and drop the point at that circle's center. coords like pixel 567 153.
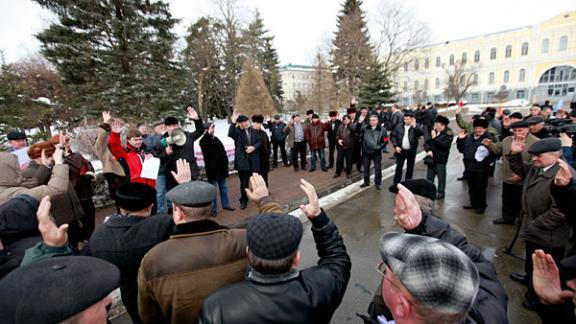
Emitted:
pixel 133 154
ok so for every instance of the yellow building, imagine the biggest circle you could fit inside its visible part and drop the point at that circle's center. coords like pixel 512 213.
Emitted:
pixel 535 63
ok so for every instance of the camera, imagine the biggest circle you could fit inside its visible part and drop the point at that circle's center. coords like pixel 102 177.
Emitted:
pixel 555 127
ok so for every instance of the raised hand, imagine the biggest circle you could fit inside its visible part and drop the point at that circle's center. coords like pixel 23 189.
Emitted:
pixel 563 176
pixel 433 133
pixel 462 134
pixel 183 173
pixel 506 121
pixel 58 155
pixel 515 178
pixel 234 117
pixel 192 114
pixel 407 210
pixel 312 209
pixel 566 140
pixel 116 126
pixel 486 142
pixel 106 116
pixel 51 234
pixel 518 144
pixel 258 189
pixel 546 279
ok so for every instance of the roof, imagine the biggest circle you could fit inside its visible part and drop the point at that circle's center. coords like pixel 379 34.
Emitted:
pixel 291 66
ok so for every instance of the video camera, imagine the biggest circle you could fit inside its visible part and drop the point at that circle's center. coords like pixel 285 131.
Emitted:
pixel 555 127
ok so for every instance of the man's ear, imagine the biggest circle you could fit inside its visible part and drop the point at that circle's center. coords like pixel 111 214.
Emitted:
pixel 177 214
pixel 402 307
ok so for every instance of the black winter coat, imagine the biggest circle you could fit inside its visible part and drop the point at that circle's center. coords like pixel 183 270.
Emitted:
pixel 185 151
pixel 491 301
pixel 396 119
pixel 215 157
pixel 123 241
pixel 242 160
pixel 440 146
pixel 308 296
pixel 264 152
pixel 468 147
pixel 414 133
pixel 277 131
pixel 333 132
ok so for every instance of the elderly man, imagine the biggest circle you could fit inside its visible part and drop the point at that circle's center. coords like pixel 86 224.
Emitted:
pixel 537 127
pixel 512 183
pixel 16 140
pixel 432 275
pixel 437 147
pixel 278 140
pixel 296 142
pixel 373 136
pixel 274 290
pixel 405 138
pixel 424 192
pixel 544 225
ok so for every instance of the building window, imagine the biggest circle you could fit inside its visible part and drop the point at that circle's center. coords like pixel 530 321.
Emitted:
pixel 451 62
pixel 437 83
pixel 437 98
pixel 475 79
pixel 520 94
pixel 563 45
pixel 464 58
pixel 506 76
pixel 508 51
pixel 524 48
pixel 437 61
pixel 426 63
pixel 545 45
pixel 416 64
pixel 425 84
pixel 462 80
pixel 493 53
pixel 405 87
pixel 405 67
pixel 522 75
pixel 416 85
pixel 491 78
pixel 477 56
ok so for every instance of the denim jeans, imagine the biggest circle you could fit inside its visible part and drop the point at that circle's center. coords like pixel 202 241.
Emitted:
pixel 223 186
pixel 320 153
pixel 161 194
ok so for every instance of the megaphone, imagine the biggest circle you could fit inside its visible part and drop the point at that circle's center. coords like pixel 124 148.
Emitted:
pixel 177 137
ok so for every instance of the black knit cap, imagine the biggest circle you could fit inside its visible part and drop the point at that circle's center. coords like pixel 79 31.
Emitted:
pixel 55 289
pixel 171 120
pixel 420 187
pixel 273 236
pixel 134 196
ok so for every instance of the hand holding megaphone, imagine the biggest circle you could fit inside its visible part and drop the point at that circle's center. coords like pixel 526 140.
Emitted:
pixel 177 137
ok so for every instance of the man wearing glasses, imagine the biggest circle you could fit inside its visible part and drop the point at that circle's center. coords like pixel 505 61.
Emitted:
pixel 432 275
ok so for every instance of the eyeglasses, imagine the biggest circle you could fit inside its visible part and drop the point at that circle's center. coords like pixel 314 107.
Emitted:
pixel 381 269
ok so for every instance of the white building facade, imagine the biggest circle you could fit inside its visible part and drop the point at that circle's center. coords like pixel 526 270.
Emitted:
pixel 296 79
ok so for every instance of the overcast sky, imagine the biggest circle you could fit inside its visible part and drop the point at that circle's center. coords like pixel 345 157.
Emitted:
pixel 301 26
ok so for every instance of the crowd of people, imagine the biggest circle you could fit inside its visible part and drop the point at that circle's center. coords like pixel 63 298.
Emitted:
pixel 174 263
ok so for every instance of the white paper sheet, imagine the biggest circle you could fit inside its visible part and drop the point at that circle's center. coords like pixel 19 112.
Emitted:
pixel 23 158
pixel 150 168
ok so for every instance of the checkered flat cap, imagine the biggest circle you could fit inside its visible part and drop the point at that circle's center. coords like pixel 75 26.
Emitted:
pixel 273 236
pixel 436 273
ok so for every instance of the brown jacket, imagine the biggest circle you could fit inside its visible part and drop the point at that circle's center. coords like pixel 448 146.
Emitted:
pixel 542 222
pixel 13 184
pixel 291 134
pixel 109 163
pixel 347 134
pixel 314 135
pixel 199 258
pixel 503 148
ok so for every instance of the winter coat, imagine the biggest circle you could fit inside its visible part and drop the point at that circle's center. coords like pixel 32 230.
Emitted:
pixel 396 119
pixel 308 296
pixel 154 146
pixel 186 151
pixel 347 134
pixel 123 241
pixel 109 163
pixel 503 148
pixel 468 147
pixel 215 157
pixel 242 160
pixel 543 222
pixel 490 305
pixel 440 146
pixel 372 139
pixel 414 133
pixel 132 156
pixel 277 131
pixel 314 135
pixel 13 184
pixel 264 152
pixel 333 131
pixel 289 130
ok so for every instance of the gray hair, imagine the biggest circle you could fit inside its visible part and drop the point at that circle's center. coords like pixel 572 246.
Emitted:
pixel 427 205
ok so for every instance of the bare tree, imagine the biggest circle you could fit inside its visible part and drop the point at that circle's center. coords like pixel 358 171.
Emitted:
pixel 399 34
pixel 460 78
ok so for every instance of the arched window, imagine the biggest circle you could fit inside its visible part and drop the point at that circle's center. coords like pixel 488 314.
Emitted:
pixel 506 76
pixel 522 75
pixel 437 83
pixel 491 78
pixel 563 45
pixel 524 48
pixel 426 63
pixel 416 64
pixel 545 45
pixel 464 58
pixel 451 61
pixel 508 51
pixel 438 61
pixel 477 56
pixel 493 53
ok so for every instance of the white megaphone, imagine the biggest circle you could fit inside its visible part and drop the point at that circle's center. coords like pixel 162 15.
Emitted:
pixel 177 137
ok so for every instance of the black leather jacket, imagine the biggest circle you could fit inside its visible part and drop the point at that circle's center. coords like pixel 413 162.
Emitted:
pixel 308 296
pixel 440 146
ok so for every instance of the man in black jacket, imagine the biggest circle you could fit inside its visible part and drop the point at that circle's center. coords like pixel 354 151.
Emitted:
pixel 333 136
pixel 465 286
pixel 274 291
pixel 216 166
pixel 372 140
pixel 437 147
pixel 477 161
pixel 124 238
pixel 278 140
pixel 404 138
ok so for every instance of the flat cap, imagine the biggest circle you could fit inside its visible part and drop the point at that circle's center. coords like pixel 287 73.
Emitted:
pixel 480 122
pixel 550 144
pixel 15 135
pixel 520 124
pixel 55 289
pixel 516 115
pixel 134 196
pixel 242 118
pixel 273 236
pixel 443 120
pixel 420 187
pixel 409 114
pixel 192 194
pixel 535 120
pixel 436 273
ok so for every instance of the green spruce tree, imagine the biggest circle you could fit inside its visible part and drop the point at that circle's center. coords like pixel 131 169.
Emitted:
pixel 376 87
